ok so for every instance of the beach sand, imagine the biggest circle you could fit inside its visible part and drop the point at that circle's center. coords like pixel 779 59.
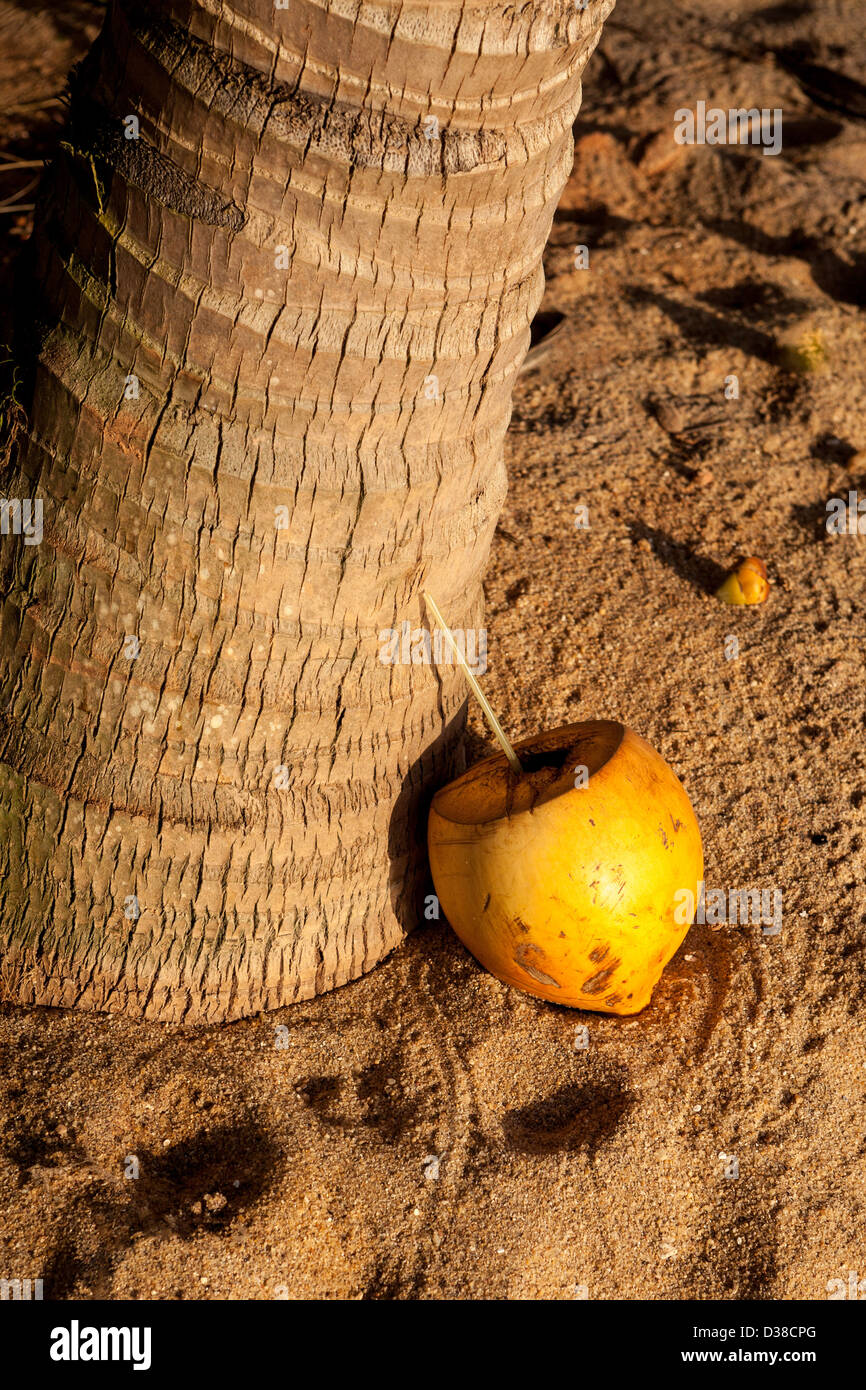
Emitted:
pixel 427 1132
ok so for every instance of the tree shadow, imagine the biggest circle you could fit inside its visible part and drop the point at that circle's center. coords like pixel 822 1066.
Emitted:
pixel 744 1263
pixel 763 299
pixel 829 448
pixel 199 1184
pixel 708 330
pixel 543 325
pixel 441 762
pixel 595 215
pixel 841 279
pixel 784 13
pixel 811 518
pixel 579 1117
pixel 703 574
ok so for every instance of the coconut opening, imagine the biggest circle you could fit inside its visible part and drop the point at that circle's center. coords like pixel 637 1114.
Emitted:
pixel 544 759
pixel 490 790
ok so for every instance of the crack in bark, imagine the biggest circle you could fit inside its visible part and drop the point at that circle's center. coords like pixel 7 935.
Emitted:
pixel 94 136
pixel 246 97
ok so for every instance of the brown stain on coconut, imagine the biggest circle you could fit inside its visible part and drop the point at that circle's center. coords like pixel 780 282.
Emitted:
pixel 521 956
pixel 596 983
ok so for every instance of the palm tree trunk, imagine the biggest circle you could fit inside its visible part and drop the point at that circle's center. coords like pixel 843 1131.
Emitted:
pixel 281 311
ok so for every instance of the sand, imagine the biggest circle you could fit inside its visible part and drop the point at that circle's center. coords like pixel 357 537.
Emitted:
pixel 427 1132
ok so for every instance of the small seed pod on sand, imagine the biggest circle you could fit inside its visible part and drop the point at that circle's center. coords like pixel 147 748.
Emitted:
pixel 747 584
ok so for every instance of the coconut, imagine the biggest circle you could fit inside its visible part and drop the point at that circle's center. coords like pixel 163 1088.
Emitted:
pixel 564 863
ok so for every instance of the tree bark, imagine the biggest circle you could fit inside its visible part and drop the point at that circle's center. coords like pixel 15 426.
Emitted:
pixel 278 326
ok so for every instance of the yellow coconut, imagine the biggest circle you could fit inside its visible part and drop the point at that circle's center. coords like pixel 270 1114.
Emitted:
pixel 567 879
